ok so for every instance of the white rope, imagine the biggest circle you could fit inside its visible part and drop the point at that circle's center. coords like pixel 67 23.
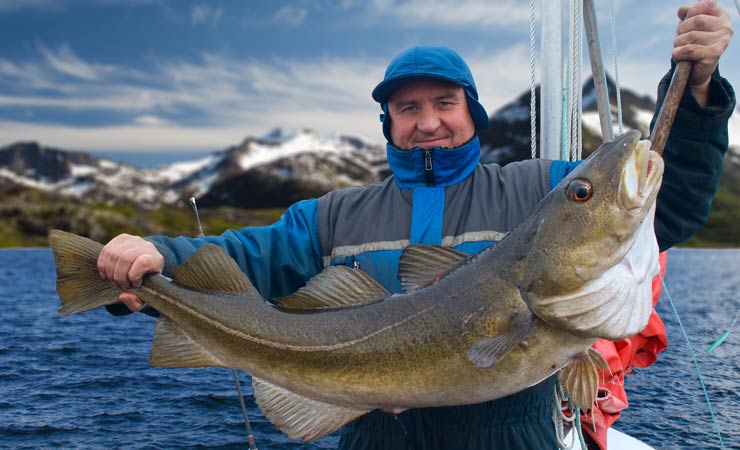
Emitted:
pixel 576 90
pixel 560 419
pixel 579 78
pixel 612 15
pixel 532 90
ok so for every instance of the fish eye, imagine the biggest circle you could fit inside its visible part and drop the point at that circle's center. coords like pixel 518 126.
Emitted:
pixel 579 191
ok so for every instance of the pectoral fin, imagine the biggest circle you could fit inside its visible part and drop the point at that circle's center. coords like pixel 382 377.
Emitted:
pixel 335 287
pixel 489 351
pixel 171 347
pixel 300 417
pixel 581 378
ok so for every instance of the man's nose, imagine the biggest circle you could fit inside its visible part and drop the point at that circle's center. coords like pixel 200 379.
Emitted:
pixel 428 121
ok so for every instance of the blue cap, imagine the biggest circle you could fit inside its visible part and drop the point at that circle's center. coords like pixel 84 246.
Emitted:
pixel 424 62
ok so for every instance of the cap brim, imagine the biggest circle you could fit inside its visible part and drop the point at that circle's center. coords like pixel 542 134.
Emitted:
pixel 386 88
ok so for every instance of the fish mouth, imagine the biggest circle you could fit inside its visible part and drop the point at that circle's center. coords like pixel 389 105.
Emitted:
pixel 641 177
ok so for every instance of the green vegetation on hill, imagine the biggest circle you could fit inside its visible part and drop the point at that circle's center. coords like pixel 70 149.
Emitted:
pixel 27 216
pixel 723 228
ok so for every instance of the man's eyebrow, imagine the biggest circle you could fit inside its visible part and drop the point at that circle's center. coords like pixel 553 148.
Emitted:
pixel 446 96
pixel 451 95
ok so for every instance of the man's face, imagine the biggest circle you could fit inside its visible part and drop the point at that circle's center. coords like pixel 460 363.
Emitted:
pixel 430 113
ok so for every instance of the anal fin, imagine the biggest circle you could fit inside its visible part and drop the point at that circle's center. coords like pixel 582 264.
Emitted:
pixel 171 347
pixel 487 352
pixel 300 417
pixel 581 378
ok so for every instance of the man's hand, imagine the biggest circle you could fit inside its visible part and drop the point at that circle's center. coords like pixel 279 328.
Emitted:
pixel 703 33
pixel 124 261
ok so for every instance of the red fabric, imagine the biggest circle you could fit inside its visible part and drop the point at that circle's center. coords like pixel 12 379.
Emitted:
pixel 638 351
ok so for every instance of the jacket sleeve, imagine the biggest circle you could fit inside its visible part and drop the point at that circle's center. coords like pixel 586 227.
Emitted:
pixel 278 258
pixel 694 156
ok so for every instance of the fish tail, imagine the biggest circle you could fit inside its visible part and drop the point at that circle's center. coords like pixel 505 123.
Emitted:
pixel 79 285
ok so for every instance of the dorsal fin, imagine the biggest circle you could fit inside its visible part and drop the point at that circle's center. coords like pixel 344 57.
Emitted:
pixel 423 265
pixel 300 417
pixel 335 287
pixel 211 269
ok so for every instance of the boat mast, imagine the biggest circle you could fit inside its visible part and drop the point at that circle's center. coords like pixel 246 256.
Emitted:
pixel 551 91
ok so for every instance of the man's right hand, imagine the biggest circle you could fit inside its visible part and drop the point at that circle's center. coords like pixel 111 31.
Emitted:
pixel 124 261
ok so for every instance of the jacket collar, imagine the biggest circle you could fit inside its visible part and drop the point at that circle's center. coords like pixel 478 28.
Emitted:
pixel 440 167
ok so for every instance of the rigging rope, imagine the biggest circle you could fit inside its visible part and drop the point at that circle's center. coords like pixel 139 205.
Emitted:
pixel 696 363
pixel 563 404
pixel 576 88
pixel 532 90
pixel 618 92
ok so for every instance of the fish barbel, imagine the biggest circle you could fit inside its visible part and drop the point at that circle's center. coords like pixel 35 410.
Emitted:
pixel 464 330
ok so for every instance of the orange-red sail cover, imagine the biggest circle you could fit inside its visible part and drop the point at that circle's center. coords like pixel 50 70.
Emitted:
pixel 638 351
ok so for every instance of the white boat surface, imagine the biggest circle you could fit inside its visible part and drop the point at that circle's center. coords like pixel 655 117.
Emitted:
pixel 616 440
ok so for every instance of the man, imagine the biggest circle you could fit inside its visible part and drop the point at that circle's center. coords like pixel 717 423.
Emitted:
pixel 440 194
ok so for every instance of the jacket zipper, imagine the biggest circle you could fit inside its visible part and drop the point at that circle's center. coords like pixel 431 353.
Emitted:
pixel 428 167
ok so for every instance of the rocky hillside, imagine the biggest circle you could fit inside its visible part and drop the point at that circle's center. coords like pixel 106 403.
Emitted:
pixel 272 171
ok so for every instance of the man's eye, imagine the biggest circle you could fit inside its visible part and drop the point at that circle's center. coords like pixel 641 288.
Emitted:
pixel 410 108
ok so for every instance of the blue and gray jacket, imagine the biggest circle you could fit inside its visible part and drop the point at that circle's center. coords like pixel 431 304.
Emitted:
pixel 446 197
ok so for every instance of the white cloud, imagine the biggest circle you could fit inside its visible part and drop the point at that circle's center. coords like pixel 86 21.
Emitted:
pixel 448 13
pixel 289 15
pixel 205 14
pixel 222 95
pixel 65 61
pixel 151 120
pixel 15 5
pixel 123 137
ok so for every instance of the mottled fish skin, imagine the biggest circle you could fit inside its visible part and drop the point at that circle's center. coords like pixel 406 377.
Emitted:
pixel 493 325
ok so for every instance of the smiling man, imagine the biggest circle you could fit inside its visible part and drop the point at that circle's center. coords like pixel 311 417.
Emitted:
pixel 440 194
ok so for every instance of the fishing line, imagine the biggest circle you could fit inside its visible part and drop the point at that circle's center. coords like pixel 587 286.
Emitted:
pixel 724 335
pixel 696 362
pixel 737 5
pixel 247 426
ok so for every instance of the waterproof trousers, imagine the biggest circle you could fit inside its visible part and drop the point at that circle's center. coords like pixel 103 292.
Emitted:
pixel 522 421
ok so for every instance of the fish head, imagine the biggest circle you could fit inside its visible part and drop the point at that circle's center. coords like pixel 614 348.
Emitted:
pixel 594 233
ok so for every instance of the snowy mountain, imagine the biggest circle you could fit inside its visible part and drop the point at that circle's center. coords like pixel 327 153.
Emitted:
pixel 274 170
pixel 283 166
pixel 508 136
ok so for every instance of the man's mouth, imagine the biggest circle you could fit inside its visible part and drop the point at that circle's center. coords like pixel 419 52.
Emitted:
pixel 430 142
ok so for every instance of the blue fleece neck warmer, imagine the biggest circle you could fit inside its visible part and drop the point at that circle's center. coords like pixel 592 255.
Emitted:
pixel 439 167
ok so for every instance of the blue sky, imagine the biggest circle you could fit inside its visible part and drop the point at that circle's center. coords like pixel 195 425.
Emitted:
pixel 180 75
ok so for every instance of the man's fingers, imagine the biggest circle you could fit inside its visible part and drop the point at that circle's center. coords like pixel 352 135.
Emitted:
pixel 131 300
pixel 107 252
pixel 126 259
pixel 143 265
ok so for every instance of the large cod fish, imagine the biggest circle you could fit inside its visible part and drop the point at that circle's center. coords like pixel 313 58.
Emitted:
pixel 465 330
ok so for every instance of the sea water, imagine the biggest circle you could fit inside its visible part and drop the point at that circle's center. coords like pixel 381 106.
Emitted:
pixel 83 381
